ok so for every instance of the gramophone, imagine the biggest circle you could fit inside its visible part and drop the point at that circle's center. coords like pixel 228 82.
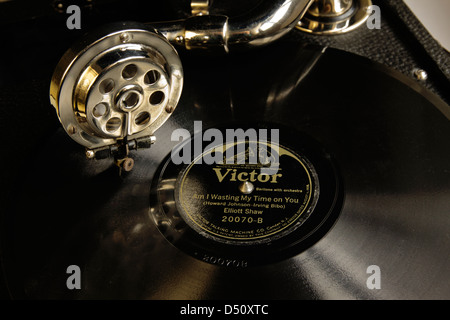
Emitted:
pixel 189 150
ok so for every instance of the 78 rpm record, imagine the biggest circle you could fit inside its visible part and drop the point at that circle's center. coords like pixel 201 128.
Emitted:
pixel 246 202
pixel 351 202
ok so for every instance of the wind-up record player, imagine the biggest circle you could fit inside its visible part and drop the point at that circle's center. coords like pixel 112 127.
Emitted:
pixel 169 150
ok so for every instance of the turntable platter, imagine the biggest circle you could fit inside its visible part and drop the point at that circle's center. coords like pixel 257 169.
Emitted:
pixel 387 138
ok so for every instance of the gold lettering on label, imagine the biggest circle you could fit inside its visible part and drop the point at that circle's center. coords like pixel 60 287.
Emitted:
pixel 246 176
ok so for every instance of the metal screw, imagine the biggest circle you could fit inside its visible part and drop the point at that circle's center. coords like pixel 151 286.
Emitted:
pixel 90 154
pixel 179 40
pixel 59 6
pixel 420 74
pixel 71 130
pixel 125 37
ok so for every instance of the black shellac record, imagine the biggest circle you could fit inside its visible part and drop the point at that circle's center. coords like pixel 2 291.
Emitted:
pixel 226 209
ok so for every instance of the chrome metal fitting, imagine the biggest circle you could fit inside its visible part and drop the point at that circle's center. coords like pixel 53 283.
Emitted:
pixel 119 84
pixel 331 17
pixel 267 22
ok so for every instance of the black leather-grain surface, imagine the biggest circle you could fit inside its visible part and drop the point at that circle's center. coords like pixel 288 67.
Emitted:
pixel 401 43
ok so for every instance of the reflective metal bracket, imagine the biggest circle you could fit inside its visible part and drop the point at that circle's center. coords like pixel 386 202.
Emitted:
pixel 200 7
pixel 269 21
pixel 329 17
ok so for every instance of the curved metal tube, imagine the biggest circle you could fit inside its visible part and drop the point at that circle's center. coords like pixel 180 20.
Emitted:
pixel 269 21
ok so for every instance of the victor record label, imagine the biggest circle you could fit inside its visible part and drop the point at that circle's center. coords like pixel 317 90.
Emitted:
pixel 240 202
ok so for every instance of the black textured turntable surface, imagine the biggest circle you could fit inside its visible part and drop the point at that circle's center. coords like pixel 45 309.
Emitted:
pixel 388 136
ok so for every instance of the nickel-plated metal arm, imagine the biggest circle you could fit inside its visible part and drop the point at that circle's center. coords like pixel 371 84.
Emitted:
pixel 268 22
